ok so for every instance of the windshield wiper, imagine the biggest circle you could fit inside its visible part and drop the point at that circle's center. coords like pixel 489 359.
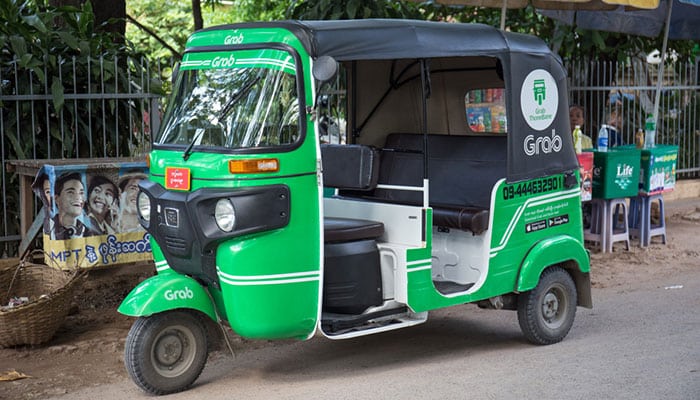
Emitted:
pixel 188 151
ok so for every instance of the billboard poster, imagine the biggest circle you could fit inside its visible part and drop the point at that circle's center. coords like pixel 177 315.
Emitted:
pixel 90 214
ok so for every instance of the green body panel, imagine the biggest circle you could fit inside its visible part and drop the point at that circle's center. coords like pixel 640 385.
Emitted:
pixel 524 214
pixel 270 281
pixel 551 251
pixel 167 291
pixel 543 209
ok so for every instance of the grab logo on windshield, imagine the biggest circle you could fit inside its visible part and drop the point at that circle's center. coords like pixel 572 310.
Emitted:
pixel 539 99
pixel 224 62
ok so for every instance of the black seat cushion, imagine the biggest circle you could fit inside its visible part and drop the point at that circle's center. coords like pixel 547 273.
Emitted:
pixel 349 230
pixel 471 219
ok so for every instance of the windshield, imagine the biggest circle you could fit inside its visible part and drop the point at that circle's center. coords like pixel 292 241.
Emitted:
pixel 234 100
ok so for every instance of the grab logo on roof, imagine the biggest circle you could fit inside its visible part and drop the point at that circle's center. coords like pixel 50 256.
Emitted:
pixel 539 99
pixel 234 39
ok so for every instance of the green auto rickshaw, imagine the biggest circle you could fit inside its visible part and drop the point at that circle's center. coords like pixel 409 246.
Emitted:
pixel 345 178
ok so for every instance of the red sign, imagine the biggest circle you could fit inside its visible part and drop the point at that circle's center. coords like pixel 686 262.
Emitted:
pixel 177 178
pixel 585 161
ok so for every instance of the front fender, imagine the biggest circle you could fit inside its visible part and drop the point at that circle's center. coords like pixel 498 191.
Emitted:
pixel 559 250
pixel 167 291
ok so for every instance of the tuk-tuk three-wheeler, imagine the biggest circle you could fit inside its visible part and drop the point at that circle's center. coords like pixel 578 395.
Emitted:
pixel 347 177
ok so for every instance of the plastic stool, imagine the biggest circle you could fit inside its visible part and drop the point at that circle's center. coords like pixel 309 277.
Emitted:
pixel 617 230
pixel 597 228
pixel 640 219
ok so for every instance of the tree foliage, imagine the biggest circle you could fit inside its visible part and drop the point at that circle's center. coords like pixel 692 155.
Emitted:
pixel 352 9
pixel 59 51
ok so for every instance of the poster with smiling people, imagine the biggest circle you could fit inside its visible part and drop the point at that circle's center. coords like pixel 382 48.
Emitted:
pixel 90 215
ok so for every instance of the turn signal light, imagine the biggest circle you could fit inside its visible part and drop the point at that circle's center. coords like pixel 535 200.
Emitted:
pixel 253 166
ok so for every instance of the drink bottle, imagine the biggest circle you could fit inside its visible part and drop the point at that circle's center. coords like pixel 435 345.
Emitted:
pixel 577 139
pixel 650 132
pixel 603 139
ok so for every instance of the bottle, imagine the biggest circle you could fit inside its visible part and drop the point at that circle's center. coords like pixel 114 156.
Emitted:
pixel 577 139
pixel 650 132
pixel 603 139
pixel 639 139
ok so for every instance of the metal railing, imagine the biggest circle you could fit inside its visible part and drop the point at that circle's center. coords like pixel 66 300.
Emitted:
pixel 86 109
pixel 629 88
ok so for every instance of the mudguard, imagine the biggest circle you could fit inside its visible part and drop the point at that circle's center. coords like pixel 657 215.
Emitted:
pixel 167 291
pixel 559 250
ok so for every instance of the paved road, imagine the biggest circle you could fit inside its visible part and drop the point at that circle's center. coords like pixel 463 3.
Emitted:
pixel 639 344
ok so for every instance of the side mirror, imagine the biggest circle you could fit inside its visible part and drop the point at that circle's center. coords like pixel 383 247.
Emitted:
pixel 325 68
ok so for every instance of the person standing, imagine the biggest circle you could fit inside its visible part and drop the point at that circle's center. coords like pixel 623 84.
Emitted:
pixel 577 116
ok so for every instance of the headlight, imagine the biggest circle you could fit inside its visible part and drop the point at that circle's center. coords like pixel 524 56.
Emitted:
pixel 225 215
pixel 144 206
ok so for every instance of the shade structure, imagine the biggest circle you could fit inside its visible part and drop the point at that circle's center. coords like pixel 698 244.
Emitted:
pixel 684 20
pixel 564 5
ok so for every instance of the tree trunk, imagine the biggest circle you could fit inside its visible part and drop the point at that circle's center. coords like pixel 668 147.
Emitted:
pixel 197 14
pixel 104 10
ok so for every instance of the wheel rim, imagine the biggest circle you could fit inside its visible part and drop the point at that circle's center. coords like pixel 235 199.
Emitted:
pixel 554 307
pixel 174 351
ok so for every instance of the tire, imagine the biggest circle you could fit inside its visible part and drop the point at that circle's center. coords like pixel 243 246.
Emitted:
pixel 166 352
pixel 546 313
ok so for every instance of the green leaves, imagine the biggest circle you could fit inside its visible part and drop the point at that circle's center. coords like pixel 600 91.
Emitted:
pixel 51 54
pixel 35 22
pixel 18 46
pixel 69 39
pixel 57 93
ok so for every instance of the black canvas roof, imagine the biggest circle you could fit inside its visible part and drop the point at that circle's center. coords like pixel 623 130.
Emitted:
pixel 394 39
pixel 377 39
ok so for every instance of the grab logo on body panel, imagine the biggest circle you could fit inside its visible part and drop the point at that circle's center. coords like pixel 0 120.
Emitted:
pixel 539 103
pixel 179 294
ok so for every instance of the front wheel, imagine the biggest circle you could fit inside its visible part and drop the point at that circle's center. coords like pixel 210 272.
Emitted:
pixel 546 313
pixel 165 353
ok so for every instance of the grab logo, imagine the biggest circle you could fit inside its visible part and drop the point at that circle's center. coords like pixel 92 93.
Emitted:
pixel 182 294
pixel 539 99
pixel 542 144
pixel 234 39
pixel 223 62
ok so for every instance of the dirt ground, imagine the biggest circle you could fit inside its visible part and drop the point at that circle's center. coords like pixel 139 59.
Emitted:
pixel 87 349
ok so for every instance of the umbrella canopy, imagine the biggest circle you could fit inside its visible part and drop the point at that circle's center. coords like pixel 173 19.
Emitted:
pixel 684 19
pixel 552 4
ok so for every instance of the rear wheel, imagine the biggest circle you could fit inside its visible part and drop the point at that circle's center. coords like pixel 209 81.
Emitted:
pixel 166 352
pixel 546 313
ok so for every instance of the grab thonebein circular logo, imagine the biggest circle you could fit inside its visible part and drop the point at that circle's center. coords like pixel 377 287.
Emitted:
pixel 539 99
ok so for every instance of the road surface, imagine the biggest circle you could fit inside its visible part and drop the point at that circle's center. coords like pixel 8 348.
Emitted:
pixel 636 343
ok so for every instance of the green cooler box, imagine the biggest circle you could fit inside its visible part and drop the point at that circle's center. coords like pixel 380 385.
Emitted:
pixel 616 173
pixel 658 169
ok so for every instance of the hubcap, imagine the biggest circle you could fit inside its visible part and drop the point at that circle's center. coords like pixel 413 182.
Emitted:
pixel 169 350
pixel 554 307
pixel 173 351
